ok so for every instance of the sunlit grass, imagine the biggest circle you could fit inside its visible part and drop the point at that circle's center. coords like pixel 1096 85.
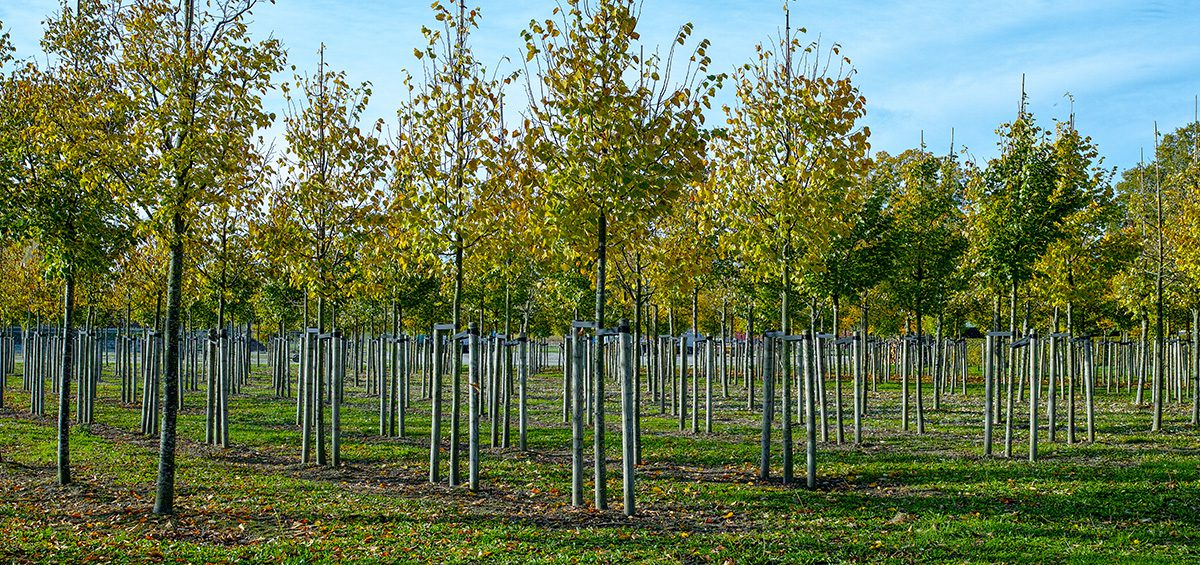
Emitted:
pixel 898 497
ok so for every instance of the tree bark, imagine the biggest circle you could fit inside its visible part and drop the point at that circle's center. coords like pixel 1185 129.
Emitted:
pixel 786 377
pixel 601 498
pixel 164 501
pixel 456 363
pixel 64 386
pixel 1160 342
pixel 920 351
pixel 1010 401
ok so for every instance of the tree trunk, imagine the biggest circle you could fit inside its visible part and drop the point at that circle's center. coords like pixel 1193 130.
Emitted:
pixel 786 376
pixel 1052 390
pixel 1012 373
pixel 750 356
pixel 867 358
pixel 920 351
pixel 1195 368
pixel 638 304
pixel 472 407
pixel 1139 397
pixel 1160 343
pixel 601 498
pixel 628 430
pixel 164 502
pixel 938 364
pixel 506 365
pixel 64 383
pixel 319 384
pixel 840 437
pixel 695 356
pixel 1071 372
pixel 456 362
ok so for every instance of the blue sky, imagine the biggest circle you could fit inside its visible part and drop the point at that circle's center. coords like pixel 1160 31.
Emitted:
pixel 923 65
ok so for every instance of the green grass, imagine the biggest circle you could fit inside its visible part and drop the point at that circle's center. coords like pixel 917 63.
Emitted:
pixel 1131 497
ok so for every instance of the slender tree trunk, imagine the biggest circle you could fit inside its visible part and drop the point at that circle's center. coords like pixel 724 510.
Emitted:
pixel 472 407
pixel 319 384
pixel 920 351
pixel 938 364
pixel 695 356
pixel 506 366
pixel 810 407
pixel 750 356
pixel 786 376
pixel 456 362
pixel 628 430
pixel 1160 342
pixel 1071 372
pixel 1054 373
pixel 724 351
pixel 64 383
pixel 1012 373
pixel 840 436
pixel 164 502
pixel 1195 368
pixel 638 304
pixel 1139 397
pixel 601 498
pixel 868 356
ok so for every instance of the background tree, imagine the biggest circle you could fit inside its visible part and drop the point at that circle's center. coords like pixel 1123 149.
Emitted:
pixel 1021 208
pixel 1184 231
pixel 859 259
pixel 327 195
pixel 225 261
pixel 328 191
pixel 447 142
pixel 1077 269
pixel 10 120
pixel 930 240
pixel 1157 194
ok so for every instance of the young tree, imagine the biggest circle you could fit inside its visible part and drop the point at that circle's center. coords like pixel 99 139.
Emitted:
pixel 857 261
pixel 401 276
pixel 10 143
pixel 684 257
pixel 1184 233
pixel 515 257
pixel 1133 287
pixel 64 188
pixel 1020 206
pixel 930 240
pixel 1158 197
pixel 187 71
pixel 224 267
pixel 795 149
pixel 617 137
pixel 1076 270
pixel 447 164
pixel 327 196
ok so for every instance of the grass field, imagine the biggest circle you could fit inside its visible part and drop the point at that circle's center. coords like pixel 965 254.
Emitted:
pixel 1131 497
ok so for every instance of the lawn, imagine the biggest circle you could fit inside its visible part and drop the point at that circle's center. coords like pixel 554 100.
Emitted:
pixel 899 497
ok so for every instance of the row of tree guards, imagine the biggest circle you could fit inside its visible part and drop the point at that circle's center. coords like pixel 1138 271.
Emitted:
pixel 134 359
pixel 820 380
